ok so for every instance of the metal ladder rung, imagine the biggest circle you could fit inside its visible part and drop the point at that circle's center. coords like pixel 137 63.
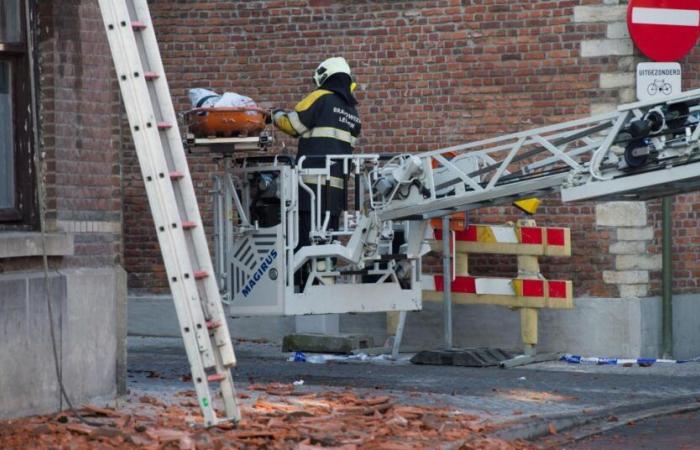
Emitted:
pixel 213 325
pixel 216 378
pixel 150 76
pixel 175 175
pixel 137 25
pixel 200 275
pixel 188 225
pixel 164 125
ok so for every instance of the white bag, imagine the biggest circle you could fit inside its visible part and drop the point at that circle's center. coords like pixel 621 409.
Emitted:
pixel 233 100
pixel 204 98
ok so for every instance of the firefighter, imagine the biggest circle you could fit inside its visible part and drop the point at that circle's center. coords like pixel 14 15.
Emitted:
pixel 326 123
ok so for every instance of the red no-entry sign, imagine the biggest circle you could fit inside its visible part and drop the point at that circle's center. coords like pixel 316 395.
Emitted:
pixel 664 30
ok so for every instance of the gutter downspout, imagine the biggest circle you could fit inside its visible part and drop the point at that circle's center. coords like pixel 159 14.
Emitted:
pixel 667 279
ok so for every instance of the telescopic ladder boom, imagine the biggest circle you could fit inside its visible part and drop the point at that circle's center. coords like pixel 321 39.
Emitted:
pixel 640 151
pixel 173 203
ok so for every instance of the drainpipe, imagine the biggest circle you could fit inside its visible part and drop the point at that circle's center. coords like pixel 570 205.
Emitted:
pixel 667 279
pixel 447 283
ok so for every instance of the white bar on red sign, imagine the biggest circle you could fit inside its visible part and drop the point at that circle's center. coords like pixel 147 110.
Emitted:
pixel 666 16
pixel 505 234
pixel 494 286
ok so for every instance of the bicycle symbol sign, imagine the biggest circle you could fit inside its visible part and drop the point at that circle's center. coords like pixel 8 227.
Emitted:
pixel 658 80
pixel 657 86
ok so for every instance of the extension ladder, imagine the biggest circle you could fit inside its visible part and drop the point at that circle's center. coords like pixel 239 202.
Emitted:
pixel 173 204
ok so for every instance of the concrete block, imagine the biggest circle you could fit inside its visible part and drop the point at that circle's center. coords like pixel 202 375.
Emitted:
pixel 621 214
pixel 638 262
pixel 628 248
pixel 121 319
pixel 325 343
pixel 686 326
pixel 635 234
pixel 600 13
pixel 634 290
pixel 90 334
pixel 625 277
pixel 650 330
pixel 616 80
pixel 154 315
pixel 617 30
pixel 606 47
pixel 27 369
pixel 85 320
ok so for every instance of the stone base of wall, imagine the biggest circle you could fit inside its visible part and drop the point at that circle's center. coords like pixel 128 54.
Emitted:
pixel 154 315
pixel 89 310
pixel 596 326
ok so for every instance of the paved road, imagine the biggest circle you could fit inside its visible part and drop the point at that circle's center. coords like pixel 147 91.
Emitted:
pixel 675 432
pixel 514 394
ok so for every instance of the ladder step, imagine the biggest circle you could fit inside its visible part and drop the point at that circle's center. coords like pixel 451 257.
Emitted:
pixel 216 377
pixel 137 25
pixel 213 324
pixel 188 225
pixel 200 275
pixel 150 76
pixel 175 175
pixel 164 125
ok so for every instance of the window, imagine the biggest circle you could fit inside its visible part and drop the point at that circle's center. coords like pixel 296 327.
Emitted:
pixel 17 204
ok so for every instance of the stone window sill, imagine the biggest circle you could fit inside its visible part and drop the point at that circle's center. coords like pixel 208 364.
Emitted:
pixel 24 244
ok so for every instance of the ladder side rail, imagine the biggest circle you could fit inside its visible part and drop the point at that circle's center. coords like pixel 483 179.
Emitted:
pixel 197 246
pixel 555 144
pixel 159 188
pixel 592 141
pixel 527 133
pixel 559 140
pixel 158 192
pixel 198 249
pixel 212 301
pixel 590 138
pixel 470 200
pixel 492 190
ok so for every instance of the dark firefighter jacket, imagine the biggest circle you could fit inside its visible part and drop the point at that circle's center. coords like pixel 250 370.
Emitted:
pixel 326 124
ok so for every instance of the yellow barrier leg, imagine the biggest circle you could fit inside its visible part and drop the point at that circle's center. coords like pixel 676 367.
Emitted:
pixel 528 267
pixel 528 330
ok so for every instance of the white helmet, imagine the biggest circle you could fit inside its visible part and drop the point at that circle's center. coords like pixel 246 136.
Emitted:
pixel 329 67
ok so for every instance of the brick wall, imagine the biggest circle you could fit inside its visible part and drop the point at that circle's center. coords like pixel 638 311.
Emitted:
pixel 79 126
pixel 431 74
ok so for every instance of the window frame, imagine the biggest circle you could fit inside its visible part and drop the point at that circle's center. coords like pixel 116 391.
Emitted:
pixel 24 213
